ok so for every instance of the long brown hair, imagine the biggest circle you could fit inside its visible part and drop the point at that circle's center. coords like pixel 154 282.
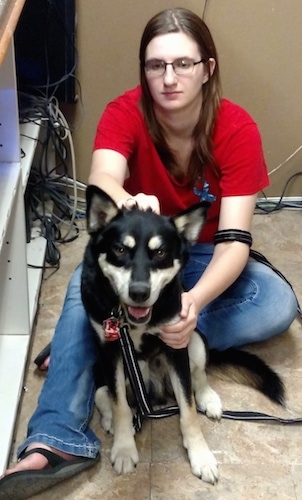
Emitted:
pixel 174 21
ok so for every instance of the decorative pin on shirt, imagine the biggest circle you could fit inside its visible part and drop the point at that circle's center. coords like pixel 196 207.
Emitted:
pixel 204 194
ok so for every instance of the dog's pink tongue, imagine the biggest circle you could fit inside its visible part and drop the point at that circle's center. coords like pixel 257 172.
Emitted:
pixel 138 312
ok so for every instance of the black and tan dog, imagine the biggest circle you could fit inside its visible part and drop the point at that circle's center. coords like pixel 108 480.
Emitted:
pixel 132 261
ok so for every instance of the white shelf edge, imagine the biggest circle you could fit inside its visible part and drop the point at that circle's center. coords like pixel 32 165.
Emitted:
pixel 29 136
pixel 14 351
pixel 13 355
pixel 14 173
pixel 35 256
pixel 9 178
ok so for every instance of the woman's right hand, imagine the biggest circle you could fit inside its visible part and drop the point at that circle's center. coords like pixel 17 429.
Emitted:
pixel 142 201
pixel 109 170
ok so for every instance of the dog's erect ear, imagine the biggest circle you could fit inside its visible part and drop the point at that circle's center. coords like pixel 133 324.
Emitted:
pixel 100 209
pixel 190 222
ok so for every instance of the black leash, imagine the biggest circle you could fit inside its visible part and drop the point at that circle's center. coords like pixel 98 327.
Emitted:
pixel 145 409
pixel 259 257
pixel 255 416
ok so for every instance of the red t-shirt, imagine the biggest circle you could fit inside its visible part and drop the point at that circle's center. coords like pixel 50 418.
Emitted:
pixel 237 152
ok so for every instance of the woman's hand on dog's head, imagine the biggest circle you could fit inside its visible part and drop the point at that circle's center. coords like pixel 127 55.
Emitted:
pixel 142 201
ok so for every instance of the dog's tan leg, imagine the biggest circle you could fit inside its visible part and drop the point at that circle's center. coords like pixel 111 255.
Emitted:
pixel 202 461
pixel 103 404
pixel 124 455
pixel 206 398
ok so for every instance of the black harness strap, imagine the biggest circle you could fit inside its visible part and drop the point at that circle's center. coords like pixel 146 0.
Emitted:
pixel 134 372
pixel 144 407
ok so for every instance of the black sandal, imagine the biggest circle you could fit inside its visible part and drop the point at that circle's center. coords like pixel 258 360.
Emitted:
pixel 42 355
pixel 25 484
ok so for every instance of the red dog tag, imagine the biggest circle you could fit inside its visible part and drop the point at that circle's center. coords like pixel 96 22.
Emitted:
pixel 111 329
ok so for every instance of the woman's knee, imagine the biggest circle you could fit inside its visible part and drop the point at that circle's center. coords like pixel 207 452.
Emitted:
pixel 285 311
pixel 268 312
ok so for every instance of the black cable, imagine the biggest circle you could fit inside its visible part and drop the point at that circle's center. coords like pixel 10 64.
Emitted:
pixel 51 232
pixel 204 9
pixel 280 204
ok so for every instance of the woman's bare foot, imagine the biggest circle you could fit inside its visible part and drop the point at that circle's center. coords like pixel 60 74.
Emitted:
pixel 36 461
pixel 44 366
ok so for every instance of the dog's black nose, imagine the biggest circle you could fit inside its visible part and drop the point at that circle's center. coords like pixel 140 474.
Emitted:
pixel 139 291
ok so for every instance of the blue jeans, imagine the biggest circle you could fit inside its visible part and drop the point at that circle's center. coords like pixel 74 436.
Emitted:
pixel 257 306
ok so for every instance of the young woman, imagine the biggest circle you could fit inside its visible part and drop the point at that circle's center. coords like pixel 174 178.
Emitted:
pixel 165 144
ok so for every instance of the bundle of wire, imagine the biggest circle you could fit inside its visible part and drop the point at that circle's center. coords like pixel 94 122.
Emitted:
pixel 49 181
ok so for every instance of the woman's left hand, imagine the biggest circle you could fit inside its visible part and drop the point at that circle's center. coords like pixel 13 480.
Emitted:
pixel 178 335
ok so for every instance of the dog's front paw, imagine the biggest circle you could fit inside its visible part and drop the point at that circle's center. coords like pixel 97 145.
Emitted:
pixel 204 466
pixel 209 402
pixel 124 458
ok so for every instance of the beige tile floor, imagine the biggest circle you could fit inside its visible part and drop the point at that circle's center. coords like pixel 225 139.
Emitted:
pixel 256 460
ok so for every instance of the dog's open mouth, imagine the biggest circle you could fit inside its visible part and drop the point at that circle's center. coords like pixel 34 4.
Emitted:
pixel 138 315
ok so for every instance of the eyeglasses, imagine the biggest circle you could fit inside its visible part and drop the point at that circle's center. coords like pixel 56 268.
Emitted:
pixel 181 66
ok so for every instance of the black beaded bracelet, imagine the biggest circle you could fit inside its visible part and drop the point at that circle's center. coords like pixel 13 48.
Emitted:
pixel 233 235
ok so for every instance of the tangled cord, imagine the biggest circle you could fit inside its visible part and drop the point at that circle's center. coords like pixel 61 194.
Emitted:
pixel 48 179
pixel 51 233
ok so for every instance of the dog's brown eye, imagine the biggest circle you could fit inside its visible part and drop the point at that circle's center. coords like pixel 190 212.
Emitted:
pixel 160 254
pixel 119 250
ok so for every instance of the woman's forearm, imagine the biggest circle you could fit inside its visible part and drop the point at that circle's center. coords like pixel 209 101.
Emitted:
pixel 228 261
pixel 109 184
